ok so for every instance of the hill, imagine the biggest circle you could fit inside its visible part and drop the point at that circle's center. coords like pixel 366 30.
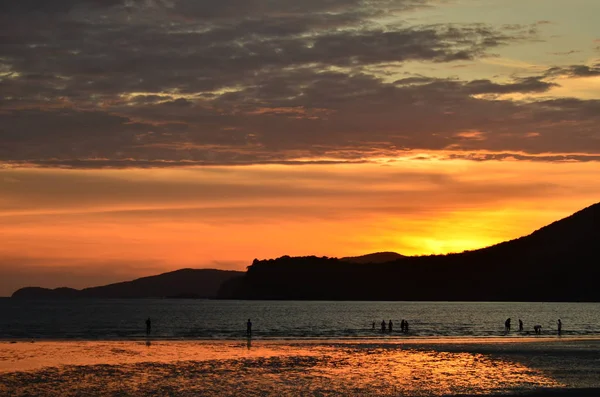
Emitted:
pixel 377 257
pixel 184 283
pixel 559 262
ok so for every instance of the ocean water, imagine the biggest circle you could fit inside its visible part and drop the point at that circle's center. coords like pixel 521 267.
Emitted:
pixel 106 319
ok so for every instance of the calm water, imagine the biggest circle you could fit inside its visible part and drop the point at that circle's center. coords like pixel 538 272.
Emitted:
pixel 209 319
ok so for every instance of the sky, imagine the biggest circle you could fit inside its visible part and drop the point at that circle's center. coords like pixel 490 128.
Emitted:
pixel 143 136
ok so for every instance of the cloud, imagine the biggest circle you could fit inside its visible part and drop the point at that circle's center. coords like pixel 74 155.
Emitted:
pixel 562 53
pixel 528 84
pixel 165 83
pixel 57 6
pixel 574 71
pixel 297 115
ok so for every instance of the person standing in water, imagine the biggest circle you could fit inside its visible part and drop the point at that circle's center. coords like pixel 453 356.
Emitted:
pixel 390 325
pixel 249 328
pixel 148 326
pixel 373 325
pixel 520 325
pixel 382 325
pixel 507 326
pixel 559 327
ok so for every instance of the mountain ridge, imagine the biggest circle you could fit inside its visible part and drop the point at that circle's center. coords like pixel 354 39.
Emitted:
pixel 375 257
pixel 558 262
pixel 194 283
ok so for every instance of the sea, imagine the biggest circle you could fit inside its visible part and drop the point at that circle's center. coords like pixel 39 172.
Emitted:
pixel 182 319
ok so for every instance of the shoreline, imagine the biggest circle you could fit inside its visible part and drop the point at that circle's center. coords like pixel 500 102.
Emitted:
pixel 400 339
pixel 31 355
pixel 377 367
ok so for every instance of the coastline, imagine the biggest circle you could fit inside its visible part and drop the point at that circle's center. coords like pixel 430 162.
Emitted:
pixel 24 355
pixel 382 367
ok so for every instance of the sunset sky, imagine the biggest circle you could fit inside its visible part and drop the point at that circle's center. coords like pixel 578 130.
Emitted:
pixel 142 136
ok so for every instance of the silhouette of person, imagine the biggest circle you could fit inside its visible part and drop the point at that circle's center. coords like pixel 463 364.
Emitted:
pixel 559 326
pixel 373 324
pixel 507 325
pixel 148 326
pixel 538 329
pixel 249 328
pixel 402 325
pixel 383 326
pixel 520 325
pixel 390 326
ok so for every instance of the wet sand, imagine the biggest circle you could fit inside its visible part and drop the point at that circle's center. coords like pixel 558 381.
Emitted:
pixel 417 367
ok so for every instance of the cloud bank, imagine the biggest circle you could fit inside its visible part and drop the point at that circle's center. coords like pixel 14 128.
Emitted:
pixel 100 84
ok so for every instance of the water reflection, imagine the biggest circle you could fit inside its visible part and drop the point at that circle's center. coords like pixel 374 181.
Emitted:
pixel 437 373
pixel 269 369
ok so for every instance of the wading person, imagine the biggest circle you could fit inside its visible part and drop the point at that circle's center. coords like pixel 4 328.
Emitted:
pixel 559 326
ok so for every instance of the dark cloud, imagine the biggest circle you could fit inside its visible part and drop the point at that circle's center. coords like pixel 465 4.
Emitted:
pixel 56 6
pixel 122 164
pixel 529 84
pixel 217 10
pixel 307 114
pixel 163 83
pixel 232 9
pixel 574 71
pixel 102 61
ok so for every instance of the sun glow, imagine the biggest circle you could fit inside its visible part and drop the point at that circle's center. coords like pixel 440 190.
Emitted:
pixel 157 220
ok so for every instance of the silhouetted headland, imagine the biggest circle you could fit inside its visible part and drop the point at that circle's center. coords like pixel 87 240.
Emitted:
pixel 184 283
pixel 559 262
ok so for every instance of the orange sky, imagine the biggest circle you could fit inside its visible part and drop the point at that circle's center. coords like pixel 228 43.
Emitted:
pixel 138 137
pixel 108 225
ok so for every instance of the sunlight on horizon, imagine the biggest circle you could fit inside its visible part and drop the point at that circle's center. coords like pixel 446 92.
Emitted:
pixel 163 219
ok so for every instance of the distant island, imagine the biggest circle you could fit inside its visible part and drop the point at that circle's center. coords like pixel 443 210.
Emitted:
pixel 559 262
pixel 184 283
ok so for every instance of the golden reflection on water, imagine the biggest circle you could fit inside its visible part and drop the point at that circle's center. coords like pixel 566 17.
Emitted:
pixel 254 368
pixel 434 372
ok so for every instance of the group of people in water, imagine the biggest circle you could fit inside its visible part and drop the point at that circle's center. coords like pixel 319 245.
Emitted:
pixel 390 326
pixel 536 328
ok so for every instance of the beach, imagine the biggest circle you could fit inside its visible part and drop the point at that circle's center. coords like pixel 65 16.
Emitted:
pixel 408 367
